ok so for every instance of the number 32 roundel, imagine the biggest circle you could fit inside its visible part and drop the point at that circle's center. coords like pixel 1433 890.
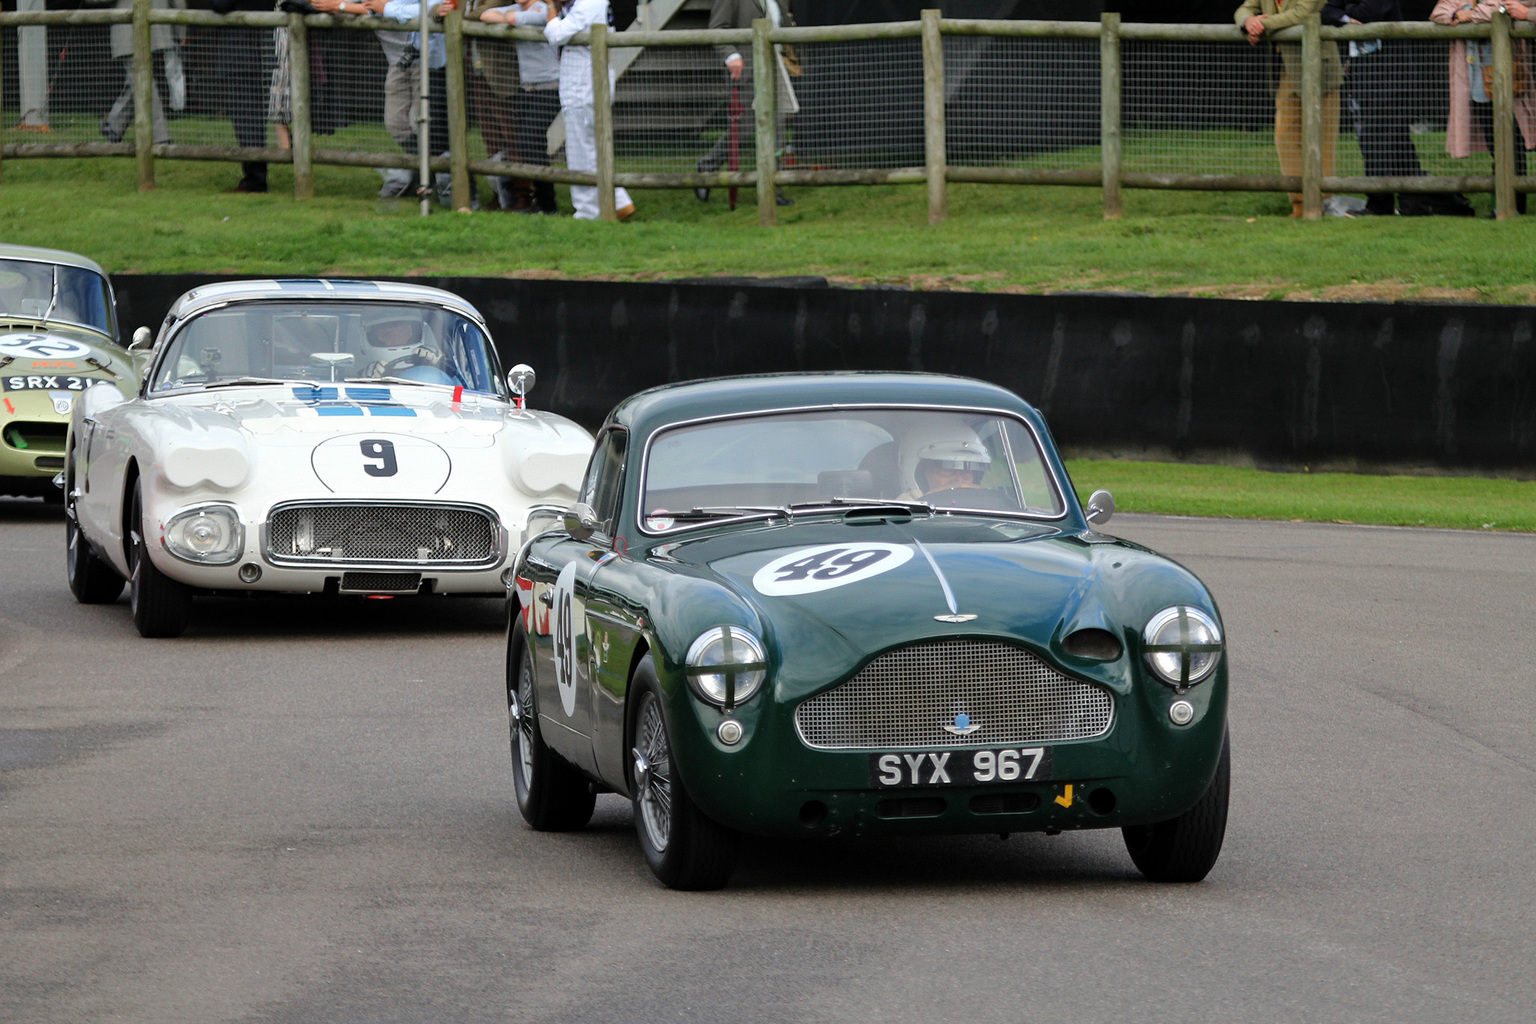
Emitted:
pixel 809 570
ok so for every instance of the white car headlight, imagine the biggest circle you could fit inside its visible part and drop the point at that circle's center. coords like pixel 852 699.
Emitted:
pixel 1182 645
pixel 726 665
pixel 208 535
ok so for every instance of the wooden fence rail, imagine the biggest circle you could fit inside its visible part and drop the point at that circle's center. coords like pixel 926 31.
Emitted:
pixel 936 171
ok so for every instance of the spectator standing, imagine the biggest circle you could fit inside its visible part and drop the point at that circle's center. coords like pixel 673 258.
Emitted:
pixel 725 14
pixel 242 61
pixel 1469 84
pixel 402 93
pixel 577 102
pixel 1257 18
pixel 493 87
pixel 161 41
pixel 1376 97
pixel 538 97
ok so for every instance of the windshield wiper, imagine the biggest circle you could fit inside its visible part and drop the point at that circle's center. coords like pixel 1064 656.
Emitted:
pixel 389 380
pixel 882 503
pixel 701 514
pixel 239 382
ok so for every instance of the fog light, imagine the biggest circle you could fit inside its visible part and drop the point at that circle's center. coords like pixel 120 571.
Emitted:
pixel 250 572
pixel 1181 712
pixel 729 732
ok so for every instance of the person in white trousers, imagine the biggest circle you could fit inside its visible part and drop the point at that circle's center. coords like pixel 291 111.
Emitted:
pixel 576 103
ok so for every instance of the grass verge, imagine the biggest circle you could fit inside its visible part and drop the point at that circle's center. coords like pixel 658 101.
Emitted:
pixel 1471 503
pixel 998 238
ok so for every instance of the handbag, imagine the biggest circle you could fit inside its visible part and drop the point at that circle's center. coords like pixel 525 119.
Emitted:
pixel 1522 78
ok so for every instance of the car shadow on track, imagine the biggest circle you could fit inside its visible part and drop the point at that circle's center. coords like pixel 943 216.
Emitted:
pixel 316 616
pixel 898 864
pixel 29 510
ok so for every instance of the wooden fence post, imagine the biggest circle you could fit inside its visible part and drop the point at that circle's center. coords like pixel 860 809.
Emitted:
pixel 1503 118
pixel 143 97
pixel 1110 151
pixel 602 112
pixel 299 86
pixel 458 115
pixel 1312 118
pixel 765 96
pixel 935 152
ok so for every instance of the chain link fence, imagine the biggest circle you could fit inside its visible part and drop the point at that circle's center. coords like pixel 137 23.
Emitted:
pixel 1184 106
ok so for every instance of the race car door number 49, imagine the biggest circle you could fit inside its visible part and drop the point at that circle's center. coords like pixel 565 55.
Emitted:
pixel 960 767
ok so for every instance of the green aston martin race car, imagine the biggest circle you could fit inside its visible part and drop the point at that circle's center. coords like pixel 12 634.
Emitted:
pixel 857 604
pixel 58 336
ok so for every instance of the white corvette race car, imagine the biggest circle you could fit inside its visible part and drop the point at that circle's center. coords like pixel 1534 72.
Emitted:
pixel 313 436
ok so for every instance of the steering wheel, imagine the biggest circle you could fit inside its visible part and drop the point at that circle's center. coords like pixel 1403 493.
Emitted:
pixel 415 357
pixel 970 497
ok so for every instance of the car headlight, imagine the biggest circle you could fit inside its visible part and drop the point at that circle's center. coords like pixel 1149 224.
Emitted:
pixel 208 535
pixel 726 665
pixel 1182 645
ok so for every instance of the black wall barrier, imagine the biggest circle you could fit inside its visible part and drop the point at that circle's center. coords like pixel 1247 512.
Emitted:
pixel 1354 385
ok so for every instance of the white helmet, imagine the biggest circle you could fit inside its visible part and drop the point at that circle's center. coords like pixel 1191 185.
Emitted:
pixel 391 334
pixel 940 442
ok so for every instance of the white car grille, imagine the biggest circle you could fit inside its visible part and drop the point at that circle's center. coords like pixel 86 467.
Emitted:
pixel 383 534
pixel 907 697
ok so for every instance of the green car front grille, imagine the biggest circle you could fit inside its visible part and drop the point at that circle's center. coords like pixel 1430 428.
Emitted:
pixel 951 693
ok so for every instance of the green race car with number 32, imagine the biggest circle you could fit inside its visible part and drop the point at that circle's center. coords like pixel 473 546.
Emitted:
pixel 857 604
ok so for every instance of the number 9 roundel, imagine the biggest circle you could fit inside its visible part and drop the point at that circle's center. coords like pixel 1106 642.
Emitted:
pixel 810 570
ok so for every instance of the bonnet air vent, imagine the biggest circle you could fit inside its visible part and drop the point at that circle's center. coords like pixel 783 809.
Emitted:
pixel 1093 643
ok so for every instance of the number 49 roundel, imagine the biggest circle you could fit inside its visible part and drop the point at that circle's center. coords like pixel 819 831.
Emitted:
pixel 809 570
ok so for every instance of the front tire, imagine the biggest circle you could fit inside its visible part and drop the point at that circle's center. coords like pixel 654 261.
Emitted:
pixel 91 579
pixel 551 795
pixel 159 603
pixel 683 848
pixel 1185 848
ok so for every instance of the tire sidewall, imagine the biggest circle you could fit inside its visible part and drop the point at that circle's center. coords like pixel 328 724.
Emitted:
pixel 524 782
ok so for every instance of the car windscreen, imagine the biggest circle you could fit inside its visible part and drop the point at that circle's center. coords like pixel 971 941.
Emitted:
pixel 980 461
pixel 328 341
pixel 82 297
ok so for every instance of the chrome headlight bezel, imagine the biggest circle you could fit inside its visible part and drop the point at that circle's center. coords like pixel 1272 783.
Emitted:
pixel 224 548
pixel 716 648
pixel 1182 645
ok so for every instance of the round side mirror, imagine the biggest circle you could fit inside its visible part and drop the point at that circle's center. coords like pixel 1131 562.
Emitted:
pixel 521 379
pixel 142 339
pixel 1101 505
pixel 580 521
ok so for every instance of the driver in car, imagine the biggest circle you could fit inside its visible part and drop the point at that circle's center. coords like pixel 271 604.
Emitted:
pixel 945 459
pixel 394 342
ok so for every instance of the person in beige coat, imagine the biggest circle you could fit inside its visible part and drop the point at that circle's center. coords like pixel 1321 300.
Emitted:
pixel 1258 18
pixel 1469 100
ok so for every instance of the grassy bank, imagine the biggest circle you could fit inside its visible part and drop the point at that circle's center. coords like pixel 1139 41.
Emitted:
pixel 997 238
pixel 1472 503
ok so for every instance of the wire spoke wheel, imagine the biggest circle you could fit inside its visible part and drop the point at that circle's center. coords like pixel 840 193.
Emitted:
pixel 682 845
pixel 520 708
pixel 552 796
pixel 656 778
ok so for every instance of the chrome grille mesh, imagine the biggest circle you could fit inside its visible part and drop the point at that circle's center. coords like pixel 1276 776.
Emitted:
pixel 906 697
pixel 368 533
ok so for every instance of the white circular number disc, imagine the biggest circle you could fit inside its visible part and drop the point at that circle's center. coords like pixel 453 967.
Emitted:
pixel 810 570
pixel 41 346
pixel 562 627
pixel 381 464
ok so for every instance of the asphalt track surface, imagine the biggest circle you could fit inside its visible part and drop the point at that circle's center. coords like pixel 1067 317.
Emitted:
pixel 299 813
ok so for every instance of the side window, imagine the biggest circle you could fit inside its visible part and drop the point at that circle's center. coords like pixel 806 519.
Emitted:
pixel 605 477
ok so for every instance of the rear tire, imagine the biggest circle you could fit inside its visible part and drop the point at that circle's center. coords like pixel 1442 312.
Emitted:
pixel 683 848
pixel 91 579
pixel 551 795
pixel 159 602
pixel 1185 848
